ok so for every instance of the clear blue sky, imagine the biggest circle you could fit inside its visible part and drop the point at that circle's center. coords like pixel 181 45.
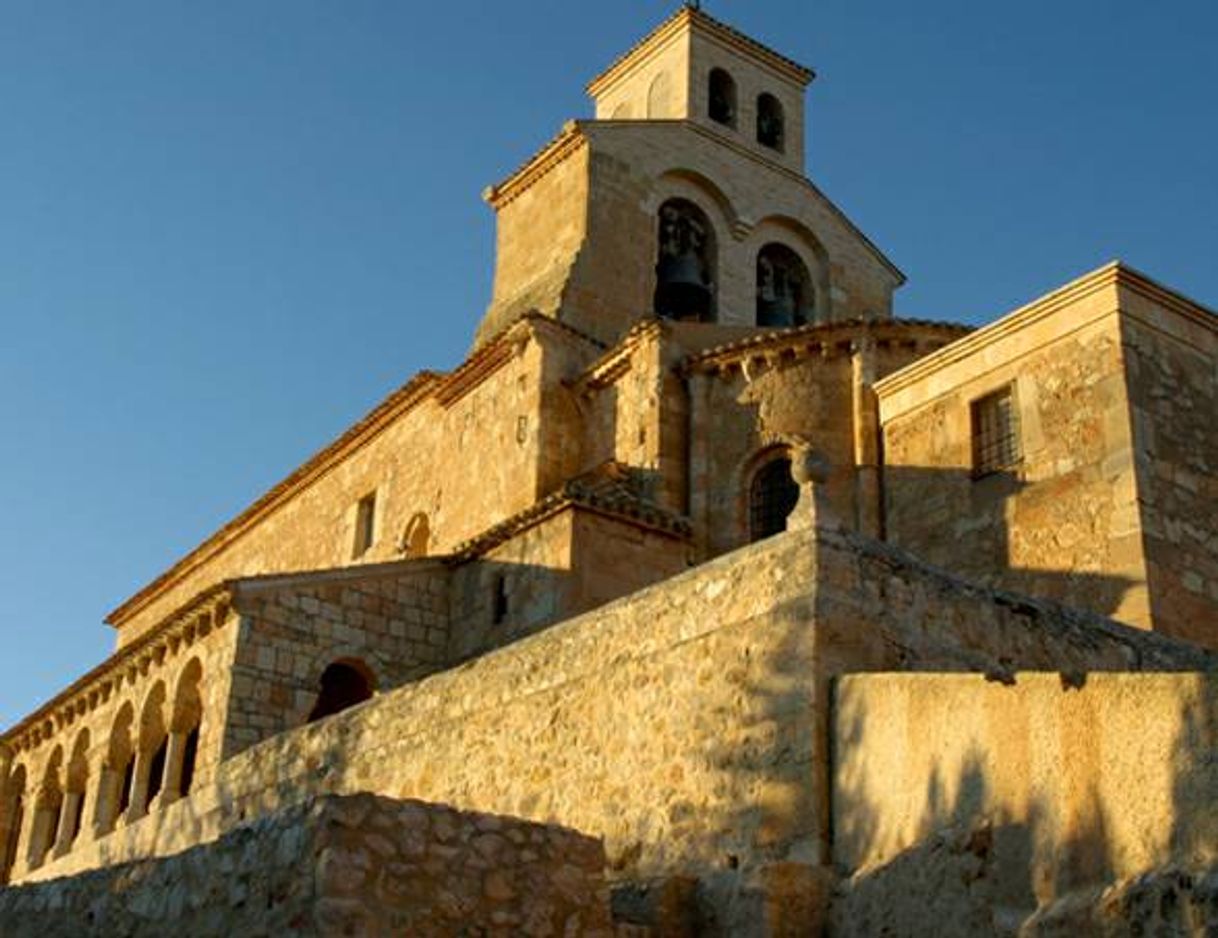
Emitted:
pixel 228 228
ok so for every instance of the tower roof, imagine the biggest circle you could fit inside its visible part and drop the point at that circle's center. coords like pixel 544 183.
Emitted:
pixel 692 18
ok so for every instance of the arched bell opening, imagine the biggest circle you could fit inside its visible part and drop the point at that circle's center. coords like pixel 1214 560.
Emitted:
pixel 686 263
pixel 773 494
pixel 771 123
pixel 721 98
pixel 343 685
pixel 785 294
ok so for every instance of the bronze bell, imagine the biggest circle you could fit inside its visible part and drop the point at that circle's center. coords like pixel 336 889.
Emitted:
pixel 776 309
pixel 681 289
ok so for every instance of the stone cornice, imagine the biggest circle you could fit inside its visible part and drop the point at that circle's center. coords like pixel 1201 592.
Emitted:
pixel 175 634
pixel 616 362
pixel 689 19
pixel 1109 276
pixel 818 339
pixel 569 141
pixel 640 513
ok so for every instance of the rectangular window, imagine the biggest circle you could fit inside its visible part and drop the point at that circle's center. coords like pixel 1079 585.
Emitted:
pixel 995 433
pixel 365 524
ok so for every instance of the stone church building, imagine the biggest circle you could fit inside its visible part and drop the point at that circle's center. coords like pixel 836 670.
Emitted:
pixel 790 615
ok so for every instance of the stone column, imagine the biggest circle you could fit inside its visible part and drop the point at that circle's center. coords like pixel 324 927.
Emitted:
pixel 67 822
pixel 171 785
pixel 108 783
pixel 41 836
pixel 139 787
pixel 698 478
pixel 21 855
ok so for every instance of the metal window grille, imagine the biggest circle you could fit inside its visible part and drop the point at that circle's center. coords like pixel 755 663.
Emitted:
pixel 995 433
pixel 772 497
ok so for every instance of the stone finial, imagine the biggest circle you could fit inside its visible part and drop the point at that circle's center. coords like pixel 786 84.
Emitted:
pixel 811 470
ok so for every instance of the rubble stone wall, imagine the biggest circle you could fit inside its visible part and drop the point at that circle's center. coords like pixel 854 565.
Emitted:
pixel 338 866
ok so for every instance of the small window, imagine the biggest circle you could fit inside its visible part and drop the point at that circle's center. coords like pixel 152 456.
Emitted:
pixel 343 685
pixel 721 103
pixel 995 433
pixel 773 495
pixel 365 524
pixel 771 131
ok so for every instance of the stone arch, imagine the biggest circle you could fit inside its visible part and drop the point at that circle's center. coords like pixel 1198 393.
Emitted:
pixel 343 683
pixel 785 291
pixel 622 112
pixel 75 787
pixel 13 806
pixel 115 781
pixel 185 730
pixel 416 536
pixel 796 236
pixel 721 97
pixel 47 809
pixel 696 187
pixel 771 122
pixel 659 97
pixel 687 261
pixel 152 744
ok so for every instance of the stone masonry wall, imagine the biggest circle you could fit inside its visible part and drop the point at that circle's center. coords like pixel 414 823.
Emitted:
pixel 1062 523
pixel 687 724
pixel 356 865
pixel 1173 380
pixel 392 620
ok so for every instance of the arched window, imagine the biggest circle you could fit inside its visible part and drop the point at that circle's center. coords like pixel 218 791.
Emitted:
pixel 343 684
pixel 771 129
pixel 685 266
pixel 184 726
pixel 772 497
pixel 785 296
pixel 12 816
pixel 149 774
pixel 74 792
pixel 114 785
pixel 721 98
pixel 416 536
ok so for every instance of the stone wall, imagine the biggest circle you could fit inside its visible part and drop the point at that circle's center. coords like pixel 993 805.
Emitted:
pixel 1170 353
pixel 465 451
pixel 391 620
pixel 997 798
pixel 1063 521
pixel 339 866
pixel 687 724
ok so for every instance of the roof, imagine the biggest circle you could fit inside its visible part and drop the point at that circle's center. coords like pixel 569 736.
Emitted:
pixel 729 35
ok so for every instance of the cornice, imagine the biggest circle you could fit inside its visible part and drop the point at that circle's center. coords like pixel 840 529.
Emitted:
pixel 174 635
pixel 570 140
pixel 1109 276
pixel 817 339
pixel 687 18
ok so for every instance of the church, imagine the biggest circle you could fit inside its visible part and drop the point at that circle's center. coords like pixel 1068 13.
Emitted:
pixel 793 616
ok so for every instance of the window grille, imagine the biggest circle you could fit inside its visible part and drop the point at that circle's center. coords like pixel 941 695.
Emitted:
pixel 995 433
pixel 772 498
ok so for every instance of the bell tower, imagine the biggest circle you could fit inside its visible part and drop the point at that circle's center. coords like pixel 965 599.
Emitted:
pixel 684 198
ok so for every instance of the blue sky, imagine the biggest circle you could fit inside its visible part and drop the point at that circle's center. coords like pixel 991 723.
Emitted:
pixel 228 228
